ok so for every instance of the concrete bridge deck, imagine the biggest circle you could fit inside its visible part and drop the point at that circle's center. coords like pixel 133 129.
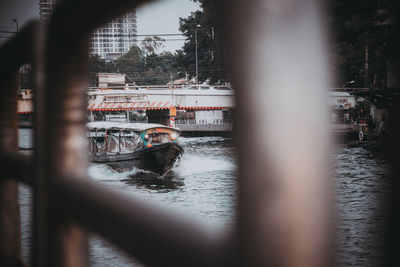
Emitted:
pixel 141 99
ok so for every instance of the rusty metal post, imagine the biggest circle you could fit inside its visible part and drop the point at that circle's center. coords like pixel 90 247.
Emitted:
pixel 10 241
pixel 65 144
pixel 281 74
pixel 63 139
pixel 13 54
pixel 39 206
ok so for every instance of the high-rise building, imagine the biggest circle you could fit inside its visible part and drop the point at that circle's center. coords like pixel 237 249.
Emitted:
pixel 109 41
pixel 115 38
pixel 46 8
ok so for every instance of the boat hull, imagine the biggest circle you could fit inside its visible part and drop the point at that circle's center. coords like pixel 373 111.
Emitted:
pixel 159 158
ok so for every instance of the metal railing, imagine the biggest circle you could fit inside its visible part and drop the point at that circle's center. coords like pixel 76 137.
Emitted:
pixel 284 210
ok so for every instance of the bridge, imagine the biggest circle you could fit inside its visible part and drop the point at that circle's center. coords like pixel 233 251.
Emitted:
pixel 197 110
pixel 143 99
pixel 160 98
pixel 155 99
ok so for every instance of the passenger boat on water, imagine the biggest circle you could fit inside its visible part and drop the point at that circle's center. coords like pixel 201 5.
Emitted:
pixel 122 146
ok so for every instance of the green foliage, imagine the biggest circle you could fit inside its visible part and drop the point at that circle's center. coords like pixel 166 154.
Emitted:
pixel 152 69
pixel 361 29
pixel 97 65
pixel 144 66
pixel 150 45
pixel 210 49
pixel 131 63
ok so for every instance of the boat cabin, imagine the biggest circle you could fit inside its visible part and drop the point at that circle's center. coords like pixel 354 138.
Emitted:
pixel 114 137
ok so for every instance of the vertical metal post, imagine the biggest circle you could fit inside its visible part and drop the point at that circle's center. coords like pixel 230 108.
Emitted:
pixel 366 67
pixel 284 205
pixel 16 24
pixel 39 255
pixel 65 132
pixel 10 242
pixel 195 42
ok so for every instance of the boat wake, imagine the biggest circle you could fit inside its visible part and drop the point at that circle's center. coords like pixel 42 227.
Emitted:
pixel 194 164
pixel 103 172
pixel 184 167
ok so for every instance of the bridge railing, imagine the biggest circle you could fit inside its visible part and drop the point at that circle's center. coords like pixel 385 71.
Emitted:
pixel 284 191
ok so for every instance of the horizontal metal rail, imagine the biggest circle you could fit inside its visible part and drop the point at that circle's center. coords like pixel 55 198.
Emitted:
pixel 155 236
pixel 141 228
pixel 18 166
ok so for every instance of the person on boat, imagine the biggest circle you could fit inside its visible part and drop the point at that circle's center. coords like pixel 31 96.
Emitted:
pixel 164 138
pixel 347 117
pixel 371 125
pixel 382 128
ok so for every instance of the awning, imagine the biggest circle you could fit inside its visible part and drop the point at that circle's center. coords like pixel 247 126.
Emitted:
pixel 202 108
pixel 144 106
pixel 130 106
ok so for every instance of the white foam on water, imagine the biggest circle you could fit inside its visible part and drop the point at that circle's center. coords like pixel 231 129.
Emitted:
pixel 202 140
pixel 193 164
pixel 103 172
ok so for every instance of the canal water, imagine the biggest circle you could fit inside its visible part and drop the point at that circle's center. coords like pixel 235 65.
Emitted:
pixel 202 186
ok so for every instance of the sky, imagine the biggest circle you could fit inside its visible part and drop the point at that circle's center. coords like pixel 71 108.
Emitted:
pixel 163 17
pixel 158 17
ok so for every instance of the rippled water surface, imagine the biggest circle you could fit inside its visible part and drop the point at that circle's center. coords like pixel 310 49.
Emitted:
pixel 203 187
pixel 361 179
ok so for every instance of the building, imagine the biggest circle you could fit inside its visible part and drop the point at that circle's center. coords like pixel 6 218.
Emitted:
pixel 112 80
pixel 109 41
pixel 46 8
pixel 115 38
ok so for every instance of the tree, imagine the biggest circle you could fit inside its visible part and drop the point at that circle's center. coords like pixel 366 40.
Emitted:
pixel 97 65
pixel 150 45
pixel 211 55
pixel 131 63
pixel 362 29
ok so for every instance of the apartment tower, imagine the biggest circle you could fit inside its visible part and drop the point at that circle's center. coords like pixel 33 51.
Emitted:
pixel 109 41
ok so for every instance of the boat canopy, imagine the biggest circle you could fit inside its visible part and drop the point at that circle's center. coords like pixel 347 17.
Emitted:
pixel 135 127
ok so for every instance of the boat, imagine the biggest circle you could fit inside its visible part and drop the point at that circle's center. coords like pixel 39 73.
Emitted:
pixel 122 146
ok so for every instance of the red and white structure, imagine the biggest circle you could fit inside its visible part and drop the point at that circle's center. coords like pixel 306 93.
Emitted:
pixel 143 99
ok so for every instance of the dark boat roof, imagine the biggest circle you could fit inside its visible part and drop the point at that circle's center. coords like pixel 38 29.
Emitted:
pixel 136 127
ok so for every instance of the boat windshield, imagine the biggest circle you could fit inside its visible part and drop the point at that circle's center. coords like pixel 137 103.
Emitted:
pixel 160 136
pixel 111 141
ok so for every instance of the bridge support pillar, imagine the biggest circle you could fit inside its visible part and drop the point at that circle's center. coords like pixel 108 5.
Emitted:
pixel 161 116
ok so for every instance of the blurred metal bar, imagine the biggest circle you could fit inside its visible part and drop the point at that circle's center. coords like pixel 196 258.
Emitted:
pixel 39 198
pixel 130 223
pixel 19 167
pixel 392 148
pixel 392 235
pixel 281 73
pixel 65 149
pixel 13 54
pixel 10 241
pixel 155 236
